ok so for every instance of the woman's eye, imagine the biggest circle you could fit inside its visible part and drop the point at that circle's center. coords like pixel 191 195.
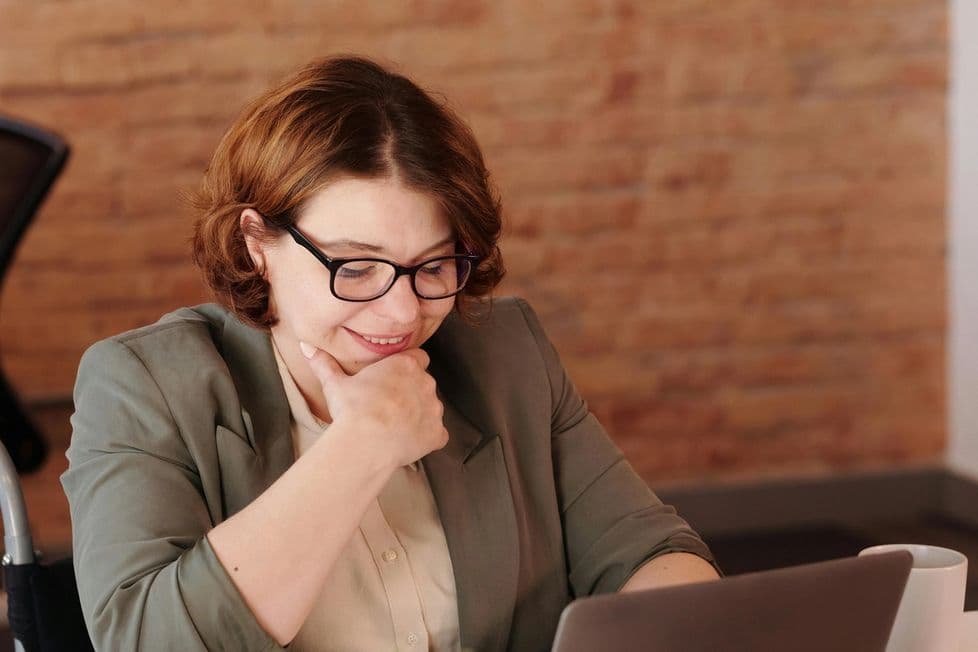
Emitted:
pixel 435 269
pixel 357 270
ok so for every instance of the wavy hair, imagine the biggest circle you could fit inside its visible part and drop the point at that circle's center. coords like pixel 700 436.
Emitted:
pixel 340 116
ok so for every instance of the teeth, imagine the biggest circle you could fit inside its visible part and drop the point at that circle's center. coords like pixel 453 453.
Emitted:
pixel 375 340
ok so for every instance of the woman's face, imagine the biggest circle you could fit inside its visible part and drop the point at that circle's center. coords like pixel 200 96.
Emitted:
pixel 349 218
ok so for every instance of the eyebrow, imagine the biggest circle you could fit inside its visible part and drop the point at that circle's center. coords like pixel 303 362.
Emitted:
pixel 372 248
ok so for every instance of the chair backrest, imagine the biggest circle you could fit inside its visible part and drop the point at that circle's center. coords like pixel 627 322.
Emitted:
pixel 43 608
pixel 30 160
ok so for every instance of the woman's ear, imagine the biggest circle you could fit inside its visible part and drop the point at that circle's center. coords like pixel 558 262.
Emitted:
pixel 253 228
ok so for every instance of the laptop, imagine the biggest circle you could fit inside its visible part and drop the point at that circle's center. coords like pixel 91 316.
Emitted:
pixel 843 605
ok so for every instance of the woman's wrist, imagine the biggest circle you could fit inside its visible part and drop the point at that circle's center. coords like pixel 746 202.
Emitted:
pixel 361 447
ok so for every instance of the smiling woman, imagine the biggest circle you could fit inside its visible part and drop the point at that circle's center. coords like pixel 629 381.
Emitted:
pixel 351 309
pixel 355 448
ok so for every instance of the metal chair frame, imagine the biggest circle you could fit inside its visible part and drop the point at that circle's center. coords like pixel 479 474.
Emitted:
pixel 18 545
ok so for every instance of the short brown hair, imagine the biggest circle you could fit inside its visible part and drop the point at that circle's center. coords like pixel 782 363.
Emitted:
pixel 338 116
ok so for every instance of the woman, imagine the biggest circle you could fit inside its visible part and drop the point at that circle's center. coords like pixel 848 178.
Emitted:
pixel 353 450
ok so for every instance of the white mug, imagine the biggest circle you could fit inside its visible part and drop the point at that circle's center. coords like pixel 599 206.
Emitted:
pixel 931 611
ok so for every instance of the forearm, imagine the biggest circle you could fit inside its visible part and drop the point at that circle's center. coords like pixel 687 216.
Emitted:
pixel 280 549
pixel 669 569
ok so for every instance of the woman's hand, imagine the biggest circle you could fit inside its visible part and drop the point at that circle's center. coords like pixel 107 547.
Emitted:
pixel 385 416
pixel 392 401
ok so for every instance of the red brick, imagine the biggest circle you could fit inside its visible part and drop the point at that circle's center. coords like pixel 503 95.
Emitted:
pixel 66 20
pixel 573 213
pixel 355 14
pixel 911 72
pixel 96 64
pixel 29 66
pixel 214 102
pixel 152 149
pixel 523 170
pixel 147 241
pixel 851 5
pixel 563 89
pixel 814 28
pixel 729 215
pixel 699 76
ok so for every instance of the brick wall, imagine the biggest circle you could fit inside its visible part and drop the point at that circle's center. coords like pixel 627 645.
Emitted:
pixel 730 215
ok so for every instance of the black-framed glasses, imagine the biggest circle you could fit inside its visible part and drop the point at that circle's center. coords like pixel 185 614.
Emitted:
pixel 366 279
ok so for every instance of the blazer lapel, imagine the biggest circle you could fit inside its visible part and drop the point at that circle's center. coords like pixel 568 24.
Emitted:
pixel 468 476
pixel 471 487
pixel 249 467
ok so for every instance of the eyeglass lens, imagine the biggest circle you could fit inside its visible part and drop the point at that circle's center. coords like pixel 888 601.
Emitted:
pixel 365 279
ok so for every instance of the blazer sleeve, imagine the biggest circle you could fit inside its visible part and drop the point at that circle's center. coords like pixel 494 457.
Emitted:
pixel 612 521
pixel 147 576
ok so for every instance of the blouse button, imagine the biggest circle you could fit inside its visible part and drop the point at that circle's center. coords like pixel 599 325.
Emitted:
pixel 412 639
pixel 389 555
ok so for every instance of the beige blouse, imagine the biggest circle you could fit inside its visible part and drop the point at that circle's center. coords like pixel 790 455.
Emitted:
pixel 393 587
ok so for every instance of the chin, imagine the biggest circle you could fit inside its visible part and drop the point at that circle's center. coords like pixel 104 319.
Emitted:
pixel 356 365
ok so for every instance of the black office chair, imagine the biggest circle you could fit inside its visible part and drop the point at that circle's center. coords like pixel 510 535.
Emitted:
pixel 42 600
pixel 30 161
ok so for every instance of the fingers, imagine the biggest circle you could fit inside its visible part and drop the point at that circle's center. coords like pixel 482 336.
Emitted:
pixel 325 366
pixel 329 371
pixel 419 355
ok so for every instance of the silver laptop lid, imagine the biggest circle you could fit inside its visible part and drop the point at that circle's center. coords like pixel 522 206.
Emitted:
pixel 844 605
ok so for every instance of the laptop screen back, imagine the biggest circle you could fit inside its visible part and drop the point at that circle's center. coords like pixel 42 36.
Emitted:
pixel 844 605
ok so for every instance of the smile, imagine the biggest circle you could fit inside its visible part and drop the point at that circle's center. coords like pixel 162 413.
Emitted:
pixel 383 340
pixel 382 344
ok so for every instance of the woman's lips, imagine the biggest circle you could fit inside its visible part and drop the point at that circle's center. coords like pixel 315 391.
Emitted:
pixel 380 348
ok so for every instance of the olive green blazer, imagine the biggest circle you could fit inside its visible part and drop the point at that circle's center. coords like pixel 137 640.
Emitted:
pixel 181 424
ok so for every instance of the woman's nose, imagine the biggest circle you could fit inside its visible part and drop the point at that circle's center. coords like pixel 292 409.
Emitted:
pixel 400 304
